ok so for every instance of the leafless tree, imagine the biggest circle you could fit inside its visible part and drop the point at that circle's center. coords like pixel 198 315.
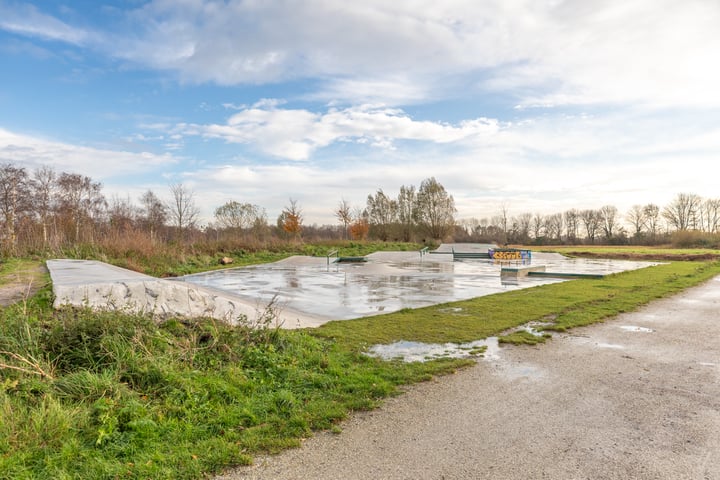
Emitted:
pixel 504 223
pixel 237 216
pixel 554 226
pixel 682 212
pixel 344 214
pixel 122 214
pixel 523 221
pixel 538 225
pixel 81 200
pixel 608 217
pixel 710 212
pixel 637 218
pixel 572 224
pixel 591 220
pixel 14 199
pixel 44 189
pixel 652 218
pixel 406 209
pixel 154 213
pixel 182 209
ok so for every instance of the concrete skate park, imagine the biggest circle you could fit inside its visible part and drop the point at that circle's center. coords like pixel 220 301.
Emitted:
pixel 309 291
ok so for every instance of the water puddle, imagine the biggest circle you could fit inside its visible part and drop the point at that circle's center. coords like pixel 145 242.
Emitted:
pixel 609 345
pixel 631 328
pixel 422 352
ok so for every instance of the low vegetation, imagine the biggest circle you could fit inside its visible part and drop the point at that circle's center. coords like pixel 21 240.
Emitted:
pixel 106 395
pixel 173 260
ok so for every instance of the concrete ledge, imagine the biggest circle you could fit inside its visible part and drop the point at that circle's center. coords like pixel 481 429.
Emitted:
pixel 519 272
pixel 98 285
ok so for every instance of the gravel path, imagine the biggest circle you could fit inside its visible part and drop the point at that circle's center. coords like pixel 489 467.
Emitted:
pixel 636 397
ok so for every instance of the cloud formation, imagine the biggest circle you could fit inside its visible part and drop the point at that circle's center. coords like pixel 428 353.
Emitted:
pixel 32 152
pixel 294 134
pixel 657 53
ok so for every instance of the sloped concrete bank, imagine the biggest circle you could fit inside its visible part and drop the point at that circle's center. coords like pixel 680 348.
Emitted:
pixel 99 285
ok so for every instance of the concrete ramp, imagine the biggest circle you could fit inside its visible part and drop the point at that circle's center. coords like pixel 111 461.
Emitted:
pixel 98 285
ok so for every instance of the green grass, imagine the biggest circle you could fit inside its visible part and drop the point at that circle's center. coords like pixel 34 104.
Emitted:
pixel 102 395
pixel 88 395
pixel 630 251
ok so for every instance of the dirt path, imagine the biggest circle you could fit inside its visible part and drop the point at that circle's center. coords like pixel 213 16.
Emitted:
pixel 636 397
pixel 20 284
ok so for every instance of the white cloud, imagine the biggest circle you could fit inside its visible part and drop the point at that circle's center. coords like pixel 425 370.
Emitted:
pixel 653 52
pixel 296 134
pixel 26 20
pixel 659 53
pixel 31 152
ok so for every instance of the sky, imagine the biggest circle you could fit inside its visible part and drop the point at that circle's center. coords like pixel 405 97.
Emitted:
pixel 523 105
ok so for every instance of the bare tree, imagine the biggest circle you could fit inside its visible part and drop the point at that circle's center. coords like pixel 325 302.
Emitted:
pixel 14 199
pixel 636 218
pixel 344 215
pixel 154 213
pixel 44 188
pixel 237 216
pixel 182 209
pixel 406 201
pixel 608 217
pixel 591 220
pixel 435 209
pixel 504 221
pixel 538 225
pixel 572 224
pixel 382 213
pixel 554 226
pixel 523 221
pixel 682 213
pixel 122 214
pixel 710 212
pixel 81 200
pixel 652 218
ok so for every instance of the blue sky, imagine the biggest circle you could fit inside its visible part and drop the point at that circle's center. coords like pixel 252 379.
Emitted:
pixel 535 106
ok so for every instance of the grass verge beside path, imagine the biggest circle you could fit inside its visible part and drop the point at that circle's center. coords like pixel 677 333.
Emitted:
pixel 87 395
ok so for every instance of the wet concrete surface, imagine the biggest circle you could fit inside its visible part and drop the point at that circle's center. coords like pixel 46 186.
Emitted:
pixel 387 282
pixel 601 402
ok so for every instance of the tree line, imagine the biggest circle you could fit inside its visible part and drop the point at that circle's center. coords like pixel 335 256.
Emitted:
pixel 43 209
pixel 643 224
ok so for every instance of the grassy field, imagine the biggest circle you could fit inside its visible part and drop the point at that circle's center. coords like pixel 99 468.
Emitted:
pixel 88 395
pixel 633 252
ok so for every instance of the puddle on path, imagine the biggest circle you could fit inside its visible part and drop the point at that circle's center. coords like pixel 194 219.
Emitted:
pixel 488 350
pixel 631 328
pixel 423 352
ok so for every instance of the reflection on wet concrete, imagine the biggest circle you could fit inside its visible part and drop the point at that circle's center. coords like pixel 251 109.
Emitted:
pixel 387 282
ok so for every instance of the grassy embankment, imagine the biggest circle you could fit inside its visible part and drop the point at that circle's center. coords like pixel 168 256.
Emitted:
pixel 104 395
pixel 168 260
